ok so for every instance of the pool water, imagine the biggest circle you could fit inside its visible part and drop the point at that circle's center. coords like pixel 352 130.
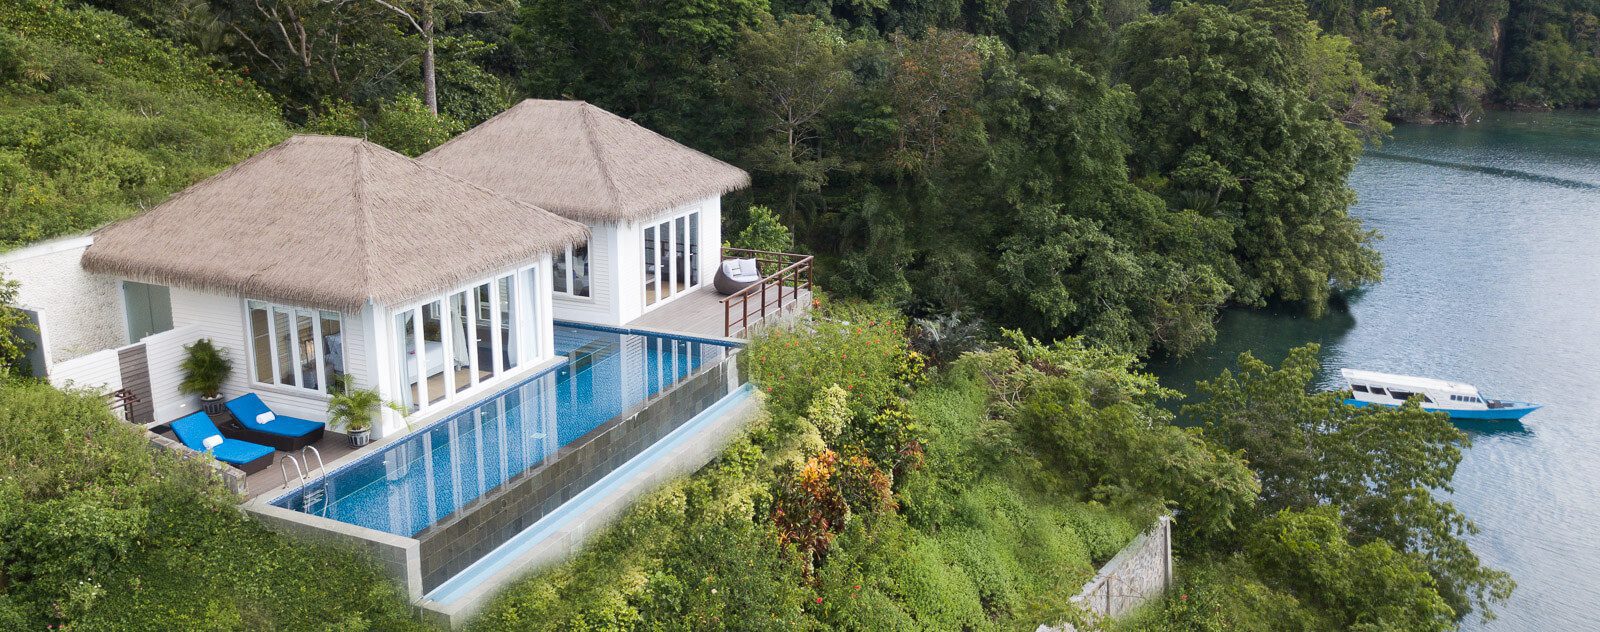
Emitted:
pixel 415 482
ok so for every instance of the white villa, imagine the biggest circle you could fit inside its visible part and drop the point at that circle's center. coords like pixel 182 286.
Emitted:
pixel 434 280
pixel 653 206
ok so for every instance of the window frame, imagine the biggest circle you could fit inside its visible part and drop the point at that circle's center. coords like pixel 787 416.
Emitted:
pixel 677 225
pixel 563 260
pixel 320 350
pixel 525 316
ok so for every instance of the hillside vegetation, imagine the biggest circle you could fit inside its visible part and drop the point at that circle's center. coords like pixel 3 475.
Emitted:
pixel 99 119
pixel 98 531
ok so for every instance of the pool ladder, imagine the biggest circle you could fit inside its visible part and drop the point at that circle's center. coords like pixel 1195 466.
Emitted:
pixel 305 475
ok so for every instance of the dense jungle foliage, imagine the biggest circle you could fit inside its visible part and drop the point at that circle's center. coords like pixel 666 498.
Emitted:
pixel 1116 169
pixel 872 496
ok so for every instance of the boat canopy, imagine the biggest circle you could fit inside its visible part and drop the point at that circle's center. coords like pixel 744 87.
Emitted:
pixel 1408 383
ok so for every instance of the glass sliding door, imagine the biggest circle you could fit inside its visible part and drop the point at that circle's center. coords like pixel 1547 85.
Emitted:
pixel 461 346
pixel 450 346
pixel 405 336
pixel 435 378
pixel 261 342
pixel 651 292
pixel 305 350
pixel 671 257
pixel 332 348
pixel 694 249
pixel 505 315
pixel 483 355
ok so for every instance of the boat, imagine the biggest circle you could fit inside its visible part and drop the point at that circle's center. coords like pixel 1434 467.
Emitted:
pixel 1461 401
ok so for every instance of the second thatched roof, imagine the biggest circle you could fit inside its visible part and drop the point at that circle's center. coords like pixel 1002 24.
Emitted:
pixel 329 222
pixel 583 162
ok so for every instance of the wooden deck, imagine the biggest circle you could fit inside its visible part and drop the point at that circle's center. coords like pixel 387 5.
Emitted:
pixel 700 313
pixel 269 482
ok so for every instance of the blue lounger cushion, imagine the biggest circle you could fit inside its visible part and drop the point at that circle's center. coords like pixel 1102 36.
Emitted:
pixel 246 408
pixel 194 429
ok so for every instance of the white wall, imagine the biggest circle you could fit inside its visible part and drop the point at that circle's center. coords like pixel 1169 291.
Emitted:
pixel 222 319
pixel 164 353
pixel 601 305
pixel 99 371
pixel 82 312
pixel 627 263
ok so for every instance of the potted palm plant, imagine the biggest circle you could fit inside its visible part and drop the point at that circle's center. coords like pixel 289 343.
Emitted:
pixel 205 369
pixel 351 410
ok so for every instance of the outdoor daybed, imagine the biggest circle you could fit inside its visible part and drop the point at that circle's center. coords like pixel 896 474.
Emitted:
pixel 197 433
pixel 736 274
pixel 257 423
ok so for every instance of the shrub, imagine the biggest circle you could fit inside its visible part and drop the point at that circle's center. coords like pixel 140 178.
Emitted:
pixel 1368 587
pixel 764 230
pixel 102 119
pixel 808 507
pixel 857 347
pixel 100 532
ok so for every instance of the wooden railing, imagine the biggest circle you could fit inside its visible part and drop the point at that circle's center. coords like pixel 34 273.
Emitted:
pixel 788 273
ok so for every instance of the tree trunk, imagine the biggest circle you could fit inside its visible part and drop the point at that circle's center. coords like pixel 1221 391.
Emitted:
pixel 430 84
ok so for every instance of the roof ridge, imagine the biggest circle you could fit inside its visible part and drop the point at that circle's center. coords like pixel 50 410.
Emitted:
pixel 473 130
pixel 584 109
pixel 364 235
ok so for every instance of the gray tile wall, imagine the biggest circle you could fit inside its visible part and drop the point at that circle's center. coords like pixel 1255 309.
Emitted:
pixel 449 547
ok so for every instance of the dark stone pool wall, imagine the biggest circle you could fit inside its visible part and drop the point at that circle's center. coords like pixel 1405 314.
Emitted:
pixel 456 542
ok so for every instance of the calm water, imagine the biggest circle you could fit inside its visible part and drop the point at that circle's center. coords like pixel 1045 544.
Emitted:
pixel 414 483
pixel 1492 252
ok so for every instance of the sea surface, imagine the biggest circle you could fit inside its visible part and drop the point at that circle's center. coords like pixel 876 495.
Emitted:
pixel 1491 245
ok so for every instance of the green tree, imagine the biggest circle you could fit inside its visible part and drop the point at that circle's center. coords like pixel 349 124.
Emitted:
pixel 1091 420
pixel 404 124
pixel 1379 467
pixel 13 322
pixel 1368 587
pixel 763 231
pixel 792 74
pixel 1226 115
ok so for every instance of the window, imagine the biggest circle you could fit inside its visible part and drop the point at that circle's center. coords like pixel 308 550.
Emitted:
pixel 1358 388
pixel 671 257
pixel 571 270
pixel 1378 390
pixel 450 344
pixel 295 346
pixel 1401 395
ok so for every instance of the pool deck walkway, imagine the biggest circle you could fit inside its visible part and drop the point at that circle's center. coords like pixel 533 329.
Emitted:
pixel 701 313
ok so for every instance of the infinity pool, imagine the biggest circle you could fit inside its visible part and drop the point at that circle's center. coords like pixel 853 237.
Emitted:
pixel 416 482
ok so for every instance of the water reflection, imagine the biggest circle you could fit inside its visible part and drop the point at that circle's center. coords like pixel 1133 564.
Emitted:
pixel 415 482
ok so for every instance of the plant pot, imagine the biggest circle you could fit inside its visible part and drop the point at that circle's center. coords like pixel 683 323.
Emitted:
pixel 213 405
pixel 359 438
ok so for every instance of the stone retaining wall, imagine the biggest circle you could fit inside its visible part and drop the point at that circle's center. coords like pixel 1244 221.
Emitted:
pixel 1140 572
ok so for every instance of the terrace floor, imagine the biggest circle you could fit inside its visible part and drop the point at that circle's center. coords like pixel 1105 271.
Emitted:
pixel 701 313
pixel 269 482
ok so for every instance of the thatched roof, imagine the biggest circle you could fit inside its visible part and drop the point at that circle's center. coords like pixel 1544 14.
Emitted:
pixel 330 222
pixel 583 162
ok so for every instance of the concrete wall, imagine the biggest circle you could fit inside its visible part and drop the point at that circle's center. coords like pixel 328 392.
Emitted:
pixel 1140 572
pixel 81 312
pixel 397 555
pixel 456 542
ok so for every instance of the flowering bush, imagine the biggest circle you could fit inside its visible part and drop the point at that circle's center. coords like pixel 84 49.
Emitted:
pixel 808 507
pixel 857 347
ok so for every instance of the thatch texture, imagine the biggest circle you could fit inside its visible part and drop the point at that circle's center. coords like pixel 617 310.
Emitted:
pixel 329 222
pixel 583 162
